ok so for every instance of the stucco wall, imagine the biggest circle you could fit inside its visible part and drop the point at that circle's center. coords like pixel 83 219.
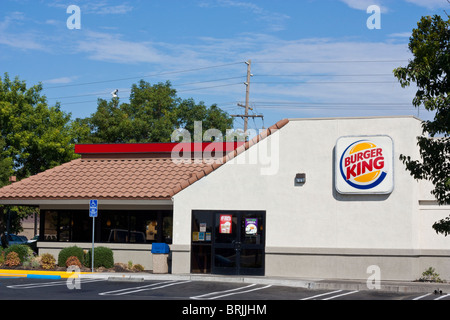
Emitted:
pixel 314 215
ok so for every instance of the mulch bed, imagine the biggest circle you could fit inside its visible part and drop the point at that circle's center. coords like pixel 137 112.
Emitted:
pixel 117 268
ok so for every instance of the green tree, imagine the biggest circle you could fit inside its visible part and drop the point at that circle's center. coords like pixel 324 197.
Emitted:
pixel 6 165
pixel 153 113
pixel 429 70
pixel 33 137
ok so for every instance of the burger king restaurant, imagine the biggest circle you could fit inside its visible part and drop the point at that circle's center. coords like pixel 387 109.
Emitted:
pixel 310 198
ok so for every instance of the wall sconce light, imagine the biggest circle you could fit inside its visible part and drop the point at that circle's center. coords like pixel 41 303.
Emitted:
pixel 300 178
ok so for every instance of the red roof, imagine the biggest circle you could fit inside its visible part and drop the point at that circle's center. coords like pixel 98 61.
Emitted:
pixel 120 148
pixel 125 175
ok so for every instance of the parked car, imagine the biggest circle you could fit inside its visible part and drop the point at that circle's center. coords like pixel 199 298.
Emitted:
pixel 34 239
pixel 15 239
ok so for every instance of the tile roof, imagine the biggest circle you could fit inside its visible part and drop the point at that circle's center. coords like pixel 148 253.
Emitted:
pixel 147 178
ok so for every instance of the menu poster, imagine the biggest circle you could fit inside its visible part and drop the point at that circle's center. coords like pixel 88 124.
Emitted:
pixel 251 226
pixel 225 223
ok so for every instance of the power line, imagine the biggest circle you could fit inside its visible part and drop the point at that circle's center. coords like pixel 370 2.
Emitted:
pixel 325 82
pixel 326 75
pixel 218 86
pixel 330 103
pixel 144 76
pixel 178 85
pixel 219 66
pixel 330 61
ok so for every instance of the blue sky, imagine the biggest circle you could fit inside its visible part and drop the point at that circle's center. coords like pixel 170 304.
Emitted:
pixel 310 58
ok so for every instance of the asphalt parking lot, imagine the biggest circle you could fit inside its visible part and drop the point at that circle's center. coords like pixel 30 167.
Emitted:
pixel 180 299
pixel 12 288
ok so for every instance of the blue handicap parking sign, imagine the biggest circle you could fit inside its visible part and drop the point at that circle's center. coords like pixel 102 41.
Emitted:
pixel 93 208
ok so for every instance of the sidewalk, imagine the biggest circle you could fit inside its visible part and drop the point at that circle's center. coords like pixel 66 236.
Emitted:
pixel 313 284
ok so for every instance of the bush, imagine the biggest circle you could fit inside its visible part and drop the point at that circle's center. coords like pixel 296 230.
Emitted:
pixel 23 251
pixel 12 259
pixel 430 275
pixel 73 251
pixel 103 257
pixel 73 261
pixel 48 261
pixel 138 268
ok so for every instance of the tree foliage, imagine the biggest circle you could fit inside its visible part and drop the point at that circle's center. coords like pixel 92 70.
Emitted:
pixel 33 136
pixel 429 70
pixel 152 115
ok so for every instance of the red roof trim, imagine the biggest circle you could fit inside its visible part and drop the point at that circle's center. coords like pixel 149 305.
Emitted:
pixel 153 147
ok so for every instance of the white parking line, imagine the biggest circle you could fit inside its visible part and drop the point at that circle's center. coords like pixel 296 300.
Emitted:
pixel 321 295
pixel 340 295
pixel 425 295
pixel 143 288
pixel 229 292
pixel 442 297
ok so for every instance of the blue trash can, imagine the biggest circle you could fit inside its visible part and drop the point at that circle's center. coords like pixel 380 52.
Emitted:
pixel 162 248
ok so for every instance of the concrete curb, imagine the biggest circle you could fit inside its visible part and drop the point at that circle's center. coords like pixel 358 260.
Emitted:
pixel 54 275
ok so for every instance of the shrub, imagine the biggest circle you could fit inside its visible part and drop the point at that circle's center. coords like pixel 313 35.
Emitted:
pixel 73 261
pixel 103 257
pixel 430 275
pixel 12 259
pixel 23 251
pixel 48 261
pixel 138 268
pixel 73 251
pixel 31 263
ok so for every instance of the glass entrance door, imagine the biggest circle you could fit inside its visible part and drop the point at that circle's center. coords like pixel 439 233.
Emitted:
pixel 238 243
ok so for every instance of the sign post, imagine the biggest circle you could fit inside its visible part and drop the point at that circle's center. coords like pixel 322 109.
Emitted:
pixel 93 211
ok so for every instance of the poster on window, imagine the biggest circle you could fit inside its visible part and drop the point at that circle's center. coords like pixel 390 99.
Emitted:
pixel 225 223
pixel 251 226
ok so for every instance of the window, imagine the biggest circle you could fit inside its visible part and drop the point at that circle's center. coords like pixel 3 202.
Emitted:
pixel 111 226
pixel 50 226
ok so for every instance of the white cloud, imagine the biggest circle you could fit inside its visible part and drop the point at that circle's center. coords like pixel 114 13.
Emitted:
pixel 431 4
pixel 104 8
pixel 275 20
pixel 61 80
pixel 107 47
pixel 19 40
pixel 400 35
pixel 364 4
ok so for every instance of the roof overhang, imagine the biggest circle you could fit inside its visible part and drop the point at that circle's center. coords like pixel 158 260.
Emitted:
pixel 84 203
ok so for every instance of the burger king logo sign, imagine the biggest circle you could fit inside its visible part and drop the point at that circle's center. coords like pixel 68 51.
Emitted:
pixel 364 165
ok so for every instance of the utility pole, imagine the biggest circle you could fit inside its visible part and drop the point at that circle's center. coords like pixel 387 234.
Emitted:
pixel 247 93
pixel 247 98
